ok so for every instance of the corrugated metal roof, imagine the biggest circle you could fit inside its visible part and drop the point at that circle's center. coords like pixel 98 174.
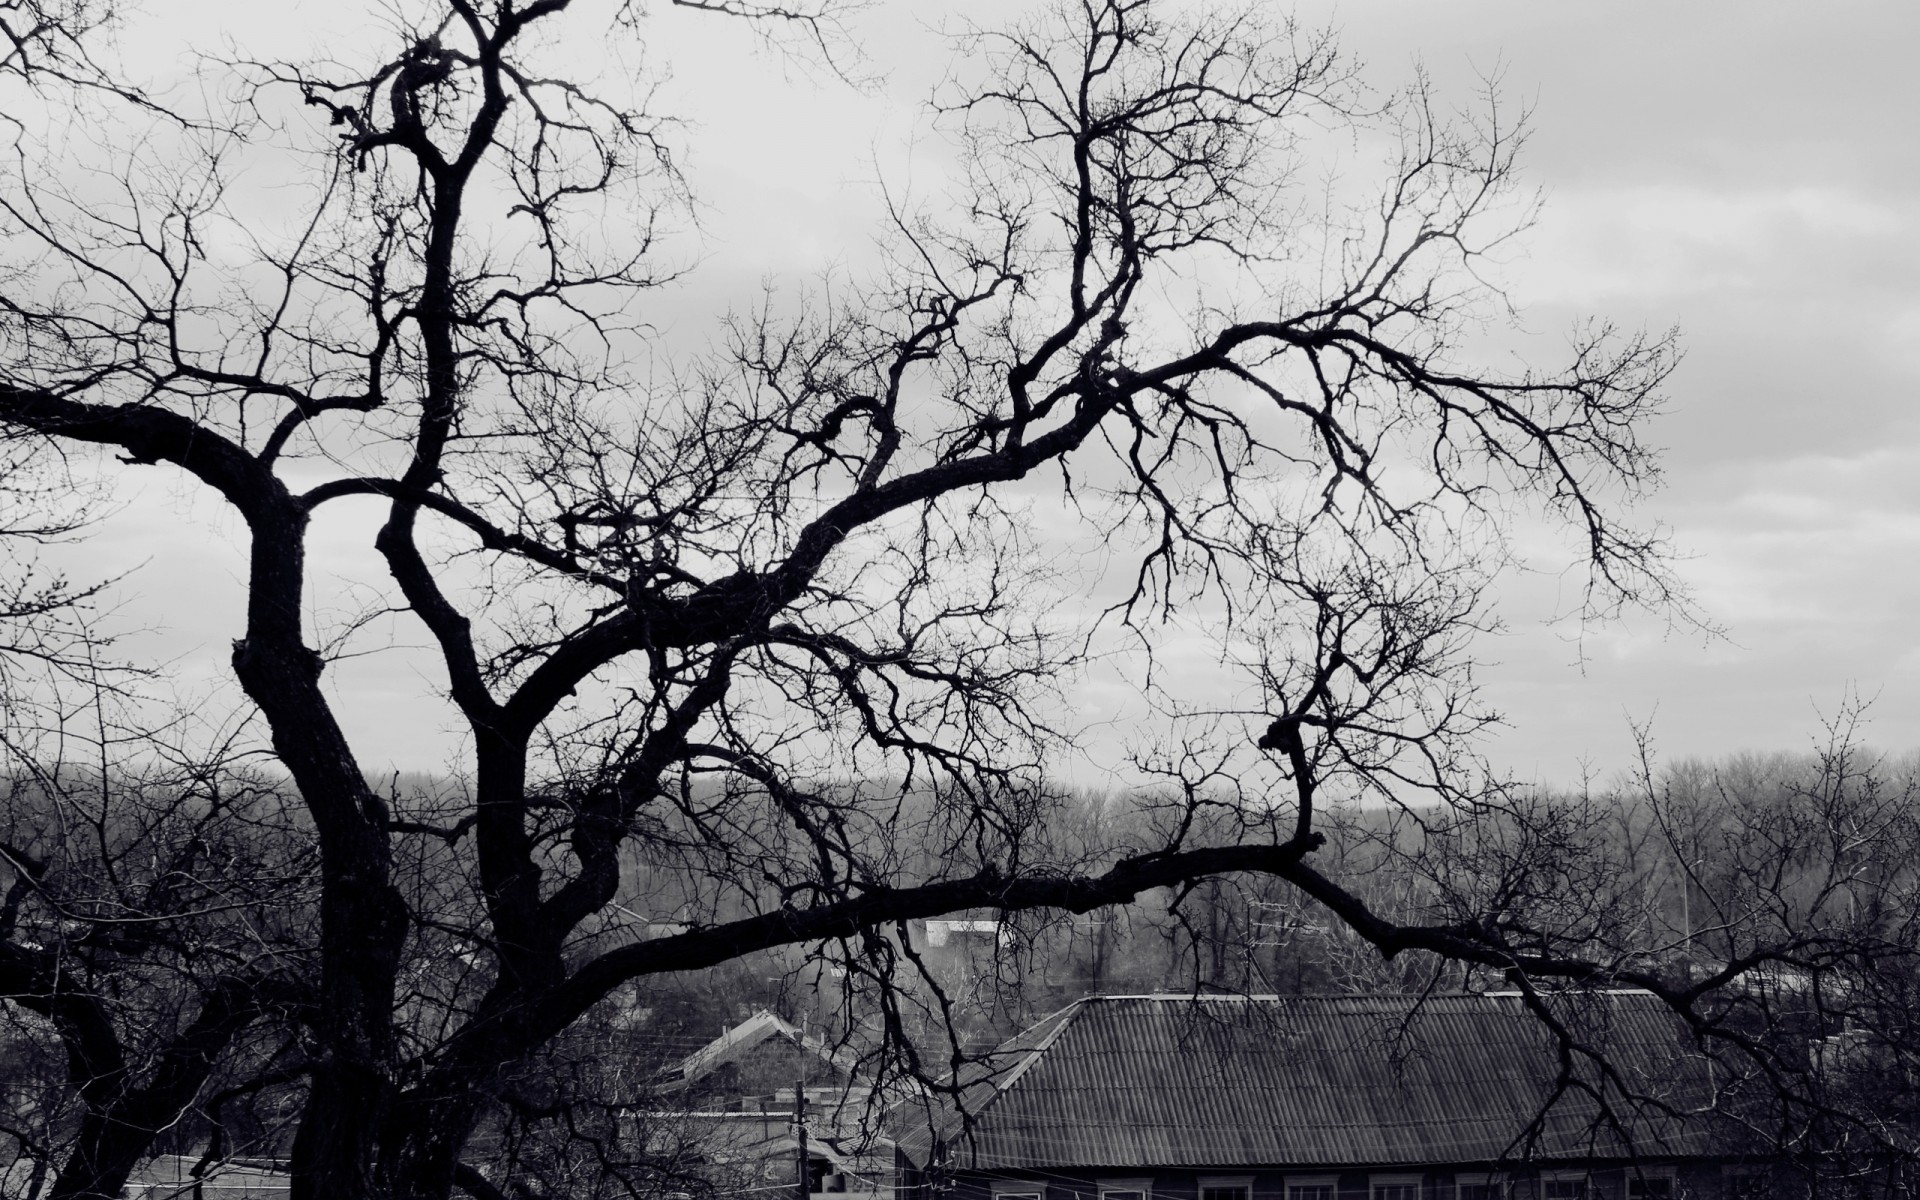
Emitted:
pixel 1162 1081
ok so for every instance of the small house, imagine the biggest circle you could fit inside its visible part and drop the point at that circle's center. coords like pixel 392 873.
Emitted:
pixel 743 1110
pixel 760 1056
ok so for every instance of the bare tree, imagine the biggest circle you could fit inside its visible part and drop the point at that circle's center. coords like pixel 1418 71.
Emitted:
pixel 756 620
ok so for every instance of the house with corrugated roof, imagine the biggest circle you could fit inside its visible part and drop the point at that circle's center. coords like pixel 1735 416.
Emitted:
pixel 1464 1097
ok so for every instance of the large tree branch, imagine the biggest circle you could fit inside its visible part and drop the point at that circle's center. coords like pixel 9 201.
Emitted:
pixel 96 1061
pixel 1122 883
pixel 117 1134
pixel 149 435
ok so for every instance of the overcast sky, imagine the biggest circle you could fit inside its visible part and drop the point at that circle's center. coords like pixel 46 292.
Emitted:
pixel 1747 171
pixel 1750 172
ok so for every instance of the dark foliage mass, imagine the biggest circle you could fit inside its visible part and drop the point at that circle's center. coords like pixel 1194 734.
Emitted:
pixel 761 657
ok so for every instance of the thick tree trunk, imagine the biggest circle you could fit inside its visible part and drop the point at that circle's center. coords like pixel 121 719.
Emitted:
pixel 334 1150
pixel 426 1135
pixel 363 917
pixel 98 1168
pixel 363 927
pixel 121 1123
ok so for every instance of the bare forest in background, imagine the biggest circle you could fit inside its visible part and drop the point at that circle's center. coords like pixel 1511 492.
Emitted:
pixel 1784 884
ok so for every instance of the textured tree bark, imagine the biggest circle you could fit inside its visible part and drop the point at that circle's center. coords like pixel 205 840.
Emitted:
pixel 363 917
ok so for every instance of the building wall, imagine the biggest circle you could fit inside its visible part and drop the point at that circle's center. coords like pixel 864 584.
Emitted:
pixel 1691 1180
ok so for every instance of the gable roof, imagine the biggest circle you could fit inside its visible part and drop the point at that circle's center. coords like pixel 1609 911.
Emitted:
pixel 1216 1081
pixel 739 1041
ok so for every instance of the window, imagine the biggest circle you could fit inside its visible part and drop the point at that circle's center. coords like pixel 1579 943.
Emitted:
pixel 1746 1185
pixel 1396 1187
pixel 1563 1187
pixel 1018 1189
pixel 1650 1187
pixel 1126 1189
pixel 1311 1187
pixel 1226 1187
pixel 1479 1187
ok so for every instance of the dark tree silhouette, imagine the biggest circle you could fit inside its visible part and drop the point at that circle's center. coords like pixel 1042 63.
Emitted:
pixel 772 618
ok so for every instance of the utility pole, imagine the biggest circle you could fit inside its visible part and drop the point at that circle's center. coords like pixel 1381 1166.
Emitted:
pixel 800 1139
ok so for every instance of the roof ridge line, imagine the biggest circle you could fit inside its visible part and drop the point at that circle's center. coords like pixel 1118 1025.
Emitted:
pixel 1067 1016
